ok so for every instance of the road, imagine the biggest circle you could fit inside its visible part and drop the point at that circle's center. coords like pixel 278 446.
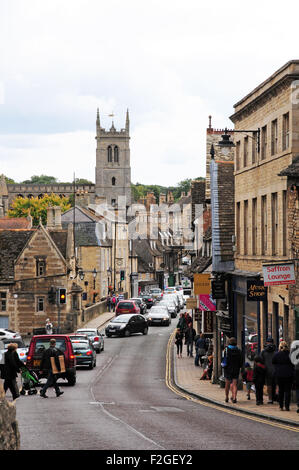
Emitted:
pixel 124 404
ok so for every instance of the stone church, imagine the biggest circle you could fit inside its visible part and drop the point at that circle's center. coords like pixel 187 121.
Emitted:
pixel 112 173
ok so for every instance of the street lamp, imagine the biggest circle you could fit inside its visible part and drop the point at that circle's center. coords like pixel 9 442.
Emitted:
pixel 94 273
pixel 226 143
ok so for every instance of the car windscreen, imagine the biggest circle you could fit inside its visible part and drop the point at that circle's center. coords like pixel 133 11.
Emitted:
pixel 137 301
pixel 187 291
pixel 87 333
pixel 19 342
pixel 125 305
pixel 160 311
pixel 44 343
pixel 121 319
pixel 155 291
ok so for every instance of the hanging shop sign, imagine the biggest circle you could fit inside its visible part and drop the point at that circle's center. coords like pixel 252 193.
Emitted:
pixel 218 289
pixel 279 274
pixel 256 291
pixel 207 322
pixel 201 284
pixel 192 303
pixel 206 302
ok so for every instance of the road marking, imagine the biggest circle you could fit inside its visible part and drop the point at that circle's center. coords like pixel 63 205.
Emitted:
pixel 173 388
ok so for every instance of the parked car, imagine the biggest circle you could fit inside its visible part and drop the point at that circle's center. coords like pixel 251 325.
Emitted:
pixel 141 304
pixel 85 353
pixel 126 306
pixel 37 346
pixel 170 305
pixel 22 350
pixel 174 297
pixel 158 316
pixel 75 336
pixel 127 324
pixel 149 300
pixel 251 346
pixel 95 337
pixel 9 334
pixel 156 293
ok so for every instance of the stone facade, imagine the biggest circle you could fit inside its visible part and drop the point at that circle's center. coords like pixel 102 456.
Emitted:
pixel 9 429
pixel 262 232
pixel 113 170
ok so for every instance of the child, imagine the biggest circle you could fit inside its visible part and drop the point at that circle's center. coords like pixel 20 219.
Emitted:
pixel 259 378
pixel 248 378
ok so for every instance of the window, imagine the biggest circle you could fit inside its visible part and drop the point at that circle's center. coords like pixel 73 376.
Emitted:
pixel 253 148
pixel 113 202
pixel 40 304
pixel 264 225
pixel 254 225
pixel 238 231
pixel 238 145
pixel 113 181
pixel 116 154
pixel 245 227
pixel 40 267
pixel 264 143
pixel 245 160
pixel 274 211
pixel 3 298
pixel 285 131
pixel 274 137
pixel 109 152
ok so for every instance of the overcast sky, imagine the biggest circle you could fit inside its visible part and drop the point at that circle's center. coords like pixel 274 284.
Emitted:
pixel 172 63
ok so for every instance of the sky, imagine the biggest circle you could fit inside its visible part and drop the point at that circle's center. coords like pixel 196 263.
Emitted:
pixel 171 63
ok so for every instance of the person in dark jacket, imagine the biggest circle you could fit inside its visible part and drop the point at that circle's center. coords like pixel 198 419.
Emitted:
pixel 232 369
pixel 201 347
pixel 267 356
pixel 52 351
pixel 179 342
pixel 259 378
pixel 189 339
pixel 182 324
pixel 284 374
pixel 12 365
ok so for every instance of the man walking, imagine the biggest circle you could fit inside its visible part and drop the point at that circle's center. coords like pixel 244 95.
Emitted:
pixel 189 339
pixel 12 365
pixel 51 352
pixel 267 356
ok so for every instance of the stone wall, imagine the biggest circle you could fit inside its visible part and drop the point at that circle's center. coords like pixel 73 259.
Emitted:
pixel 9 430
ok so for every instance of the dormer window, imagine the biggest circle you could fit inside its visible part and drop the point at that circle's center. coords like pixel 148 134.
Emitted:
pixel 40 267
pixel 109 153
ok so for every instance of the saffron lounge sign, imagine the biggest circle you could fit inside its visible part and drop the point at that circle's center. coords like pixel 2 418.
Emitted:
pixel 279 274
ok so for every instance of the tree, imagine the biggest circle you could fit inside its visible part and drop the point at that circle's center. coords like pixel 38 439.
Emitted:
pixel 42 179
pixel 37 208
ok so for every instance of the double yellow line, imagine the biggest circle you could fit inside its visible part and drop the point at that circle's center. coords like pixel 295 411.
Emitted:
pixel 187 396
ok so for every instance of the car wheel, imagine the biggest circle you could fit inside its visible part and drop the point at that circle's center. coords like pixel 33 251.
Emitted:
pixel 98 351
pixel 127 333
pixel 108 335
pixel 71 380
pixel 145 331
pixel 91 365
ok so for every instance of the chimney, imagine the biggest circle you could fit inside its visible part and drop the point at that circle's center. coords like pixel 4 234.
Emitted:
pixel 54 217
pixel 162 198
pixel 50 217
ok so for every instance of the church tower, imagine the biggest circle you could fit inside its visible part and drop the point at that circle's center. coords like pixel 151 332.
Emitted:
pixel 113 170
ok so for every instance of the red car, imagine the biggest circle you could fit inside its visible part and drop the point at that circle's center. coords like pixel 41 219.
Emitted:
pixel 126 306
pixel 40 343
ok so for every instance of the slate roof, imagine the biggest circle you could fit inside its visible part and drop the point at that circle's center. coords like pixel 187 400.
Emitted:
pixel 200 264
pixel 12 243
pixel 60 240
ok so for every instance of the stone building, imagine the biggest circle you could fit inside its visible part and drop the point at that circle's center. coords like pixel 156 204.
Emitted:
pixel 262 199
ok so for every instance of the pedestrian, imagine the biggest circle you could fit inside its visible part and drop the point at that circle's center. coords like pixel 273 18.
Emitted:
pixel 46 365
pixel 179 342
pixel 49 327
pixel 259 379
pixel 284 375
pixel 189 339
pixel 113 301
pixel 12 365
pixel 248 378
pixel 267 356
pixel 232 363
pixel 201 347
pixel 188 318
pixel 108 303
pixel 182 323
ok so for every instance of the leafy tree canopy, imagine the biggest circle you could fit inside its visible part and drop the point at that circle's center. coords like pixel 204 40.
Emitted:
pixel 140 190
pixel 37 208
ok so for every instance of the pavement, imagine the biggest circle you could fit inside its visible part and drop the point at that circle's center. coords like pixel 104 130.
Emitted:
pixel 187 378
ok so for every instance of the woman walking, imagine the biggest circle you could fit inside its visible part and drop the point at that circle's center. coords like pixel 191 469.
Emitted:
pixel 12 365
pixel 232 366
pixel 284 374
pixel 179 342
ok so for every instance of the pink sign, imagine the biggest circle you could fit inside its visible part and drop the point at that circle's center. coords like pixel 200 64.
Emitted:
pixel 279 274
pixel 206 302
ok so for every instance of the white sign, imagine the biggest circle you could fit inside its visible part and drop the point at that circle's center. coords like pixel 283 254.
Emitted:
pixel 278 274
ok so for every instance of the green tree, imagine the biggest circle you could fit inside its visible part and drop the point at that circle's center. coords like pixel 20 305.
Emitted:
pixel 37 208
pixel 42 179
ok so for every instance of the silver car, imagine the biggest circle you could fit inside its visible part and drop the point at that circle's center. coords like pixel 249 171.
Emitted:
pixel 159 316
pixel 22 350
pixel 156 293
pixel 170 305
pixel 96 337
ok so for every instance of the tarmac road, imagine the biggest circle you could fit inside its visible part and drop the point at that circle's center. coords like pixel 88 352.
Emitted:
pixel 124 404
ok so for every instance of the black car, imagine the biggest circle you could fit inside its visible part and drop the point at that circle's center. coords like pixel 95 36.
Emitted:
pixel 148 300
pixel 127 324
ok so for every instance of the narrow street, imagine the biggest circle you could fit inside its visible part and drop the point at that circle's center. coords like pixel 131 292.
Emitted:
pixel 124 404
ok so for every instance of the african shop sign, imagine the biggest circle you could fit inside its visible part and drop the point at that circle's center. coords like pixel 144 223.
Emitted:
pixel 278 274
pixel 256 291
